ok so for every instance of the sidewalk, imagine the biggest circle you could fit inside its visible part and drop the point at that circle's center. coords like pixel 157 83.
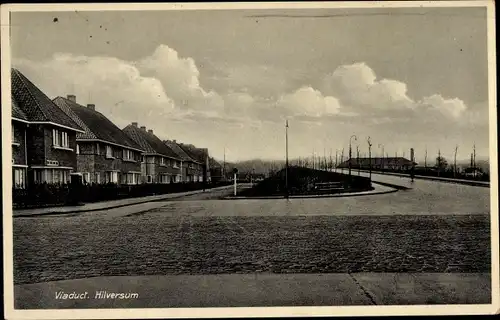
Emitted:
pixel 103 205
pixel 379 188
pixel 485 184
pixel 261 289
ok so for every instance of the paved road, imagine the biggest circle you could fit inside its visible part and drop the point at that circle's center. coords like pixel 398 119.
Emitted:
pixel 434 227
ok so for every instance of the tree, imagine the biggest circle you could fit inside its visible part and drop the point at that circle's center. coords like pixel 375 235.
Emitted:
pixel 441 163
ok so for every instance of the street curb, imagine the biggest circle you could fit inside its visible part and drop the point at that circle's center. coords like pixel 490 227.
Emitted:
pixel 334 195
pixel 53 213
pixel 483 184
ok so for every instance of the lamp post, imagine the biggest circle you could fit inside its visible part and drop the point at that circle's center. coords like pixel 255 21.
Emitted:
pixel 286 169
pixel 350 152
pixel 341 161
pixel 380 145
pixel 357 160
pixel 370 155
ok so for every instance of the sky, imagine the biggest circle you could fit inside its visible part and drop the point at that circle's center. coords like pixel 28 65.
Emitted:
pixel 228 80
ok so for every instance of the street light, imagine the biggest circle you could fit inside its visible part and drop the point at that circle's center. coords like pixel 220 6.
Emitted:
pixel 286 170
pixel 370 155
pixel 350 152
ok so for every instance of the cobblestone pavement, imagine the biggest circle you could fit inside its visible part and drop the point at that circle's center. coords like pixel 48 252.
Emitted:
pixel 166 241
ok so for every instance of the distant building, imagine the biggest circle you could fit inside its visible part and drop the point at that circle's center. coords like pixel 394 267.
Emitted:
pixel 200 155
pixel 393 163
pixel 160 164
pixel 43 136
pixel 216 169
pixel 105 154
pixel 191 169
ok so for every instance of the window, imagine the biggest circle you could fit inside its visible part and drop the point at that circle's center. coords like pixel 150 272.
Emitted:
pixel 111 177
pixel 131 178
pixel 164 178
pixel 13 135
pixel 109 152
pixel 60 139
pixel 64 140
pixel 143 159
pixel 162 161
pixel 86 177
pixel 150 179
pixel 97 177
pixel 51 176
pixel 97 149
pixel 176 164
pixel 128 155
pixel 77 149
pixel 19 178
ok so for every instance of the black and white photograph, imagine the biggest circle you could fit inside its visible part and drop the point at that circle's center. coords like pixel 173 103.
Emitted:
pixel 249 159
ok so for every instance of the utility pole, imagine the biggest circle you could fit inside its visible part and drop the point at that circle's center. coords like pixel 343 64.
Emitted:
pixel 341 161
pixel 357 160
pixel 224 165
pixel 474 158
pixel 455 162
pixel 330 163
pixel 425 160
pixel 286 170
pixel 336 159
pixel 370 156
pixel 350 152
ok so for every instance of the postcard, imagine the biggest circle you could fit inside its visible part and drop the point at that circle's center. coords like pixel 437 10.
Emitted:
pixel 266 159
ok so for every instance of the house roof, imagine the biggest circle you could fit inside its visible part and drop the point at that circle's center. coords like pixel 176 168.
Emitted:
pixel 213 163
pixel 179 151
pixel 35 105
pixel 149 142
pixel 95 124
pixel 198 154
pixel 17 112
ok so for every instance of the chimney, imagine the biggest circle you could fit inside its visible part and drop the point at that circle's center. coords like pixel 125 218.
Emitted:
pixel 91 106
pixel 143 128
pixel 150 131
pixel 135 124
pixel 71 97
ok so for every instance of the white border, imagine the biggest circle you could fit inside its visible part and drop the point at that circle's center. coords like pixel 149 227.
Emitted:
pixel 242 312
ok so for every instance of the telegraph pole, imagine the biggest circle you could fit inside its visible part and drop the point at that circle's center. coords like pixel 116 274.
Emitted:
pixel 286 170
pixel 455 162
pixel 370 156
pixel 425 160
pixel 474 159
pixel 350 152
pixel 336 159
pixel 357 160
pixel 224 165
pixel 342 160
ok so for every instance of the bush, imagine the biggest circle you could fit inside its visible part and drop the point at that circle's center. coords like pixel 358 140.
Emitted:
pixel 42 195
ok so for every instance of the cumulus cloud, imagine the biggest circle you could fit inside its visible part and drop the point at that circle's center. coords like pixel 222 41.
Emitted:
pixel 357 86
pixel 307 101
pixel 163 91
pixel 115 86
pixel 180 79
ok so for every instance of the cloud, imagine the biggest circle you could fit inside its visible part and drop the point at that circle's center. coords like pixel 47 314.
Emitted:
pixel 163 91
pixel 115 86
pixel 357 86
pixel 307 101
pixel 180 79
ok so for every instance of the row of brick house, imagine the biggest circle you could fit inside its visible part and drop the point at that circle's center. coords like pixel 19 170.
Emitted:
pixel 52 139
